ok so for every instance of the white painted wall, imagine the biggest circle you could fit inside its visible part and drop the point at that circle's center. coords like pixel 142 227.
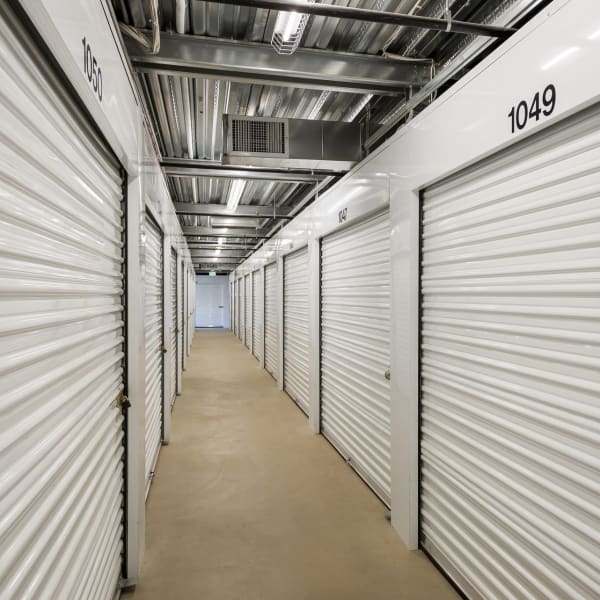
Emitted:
pixel 212 301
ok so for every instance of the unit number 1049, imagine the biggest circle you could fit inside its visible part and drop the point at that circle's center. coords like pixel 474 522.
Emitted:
pixel 541 104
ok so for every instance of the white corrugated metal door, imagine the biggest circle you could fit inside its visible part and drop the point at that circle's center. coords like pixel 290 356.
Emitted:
pixel 355 347
pixel 174 332
pixel 236 306
pixel 153 327
pixel 271 320
pixel 61 448
pixel 180 316
pixel 257 322
pixel 510 369
pixel 242 310
pixel 248 311
pixel 295 327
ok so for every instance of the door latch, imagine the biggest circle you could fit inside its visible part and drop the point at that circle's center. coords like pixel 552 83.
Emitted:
pixel 163 349
pixel 387 374
pixel 122 401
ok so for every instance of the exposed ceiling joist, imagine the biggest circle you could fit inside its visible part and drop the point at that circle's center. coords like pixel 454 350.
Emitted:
pixel 220 210
pixel 248 62
pixel 376 16
pixel 226 246
pixel 225 232
pixel 184 167
pixel 201 262
pixel 207 254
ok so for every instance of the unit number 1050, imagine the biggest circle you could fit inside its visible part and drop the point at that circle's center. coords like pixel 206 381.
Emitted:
pixel 541 104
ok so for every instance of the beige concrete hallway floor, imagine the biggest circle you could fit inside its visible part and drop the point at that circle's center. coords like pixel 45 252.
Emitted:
pixel 248 504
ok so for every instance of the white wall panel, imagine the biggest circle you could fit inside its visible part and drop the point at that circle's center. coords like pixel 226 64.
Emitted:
pixel 295 327
pixel 153 327
pixel 248 311
pixel 355 348
pixel 257 315
pixel 510 372
pixel 62 327
pixel 271 320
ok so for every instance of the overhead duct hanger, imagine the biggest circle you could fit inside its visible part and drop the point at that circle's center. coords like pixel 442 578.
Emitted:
pixel 375 16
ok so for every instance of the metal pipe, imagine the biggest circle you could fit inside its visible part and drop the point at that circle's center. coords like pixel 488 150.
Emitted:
pixel 375 16
pixel 152 44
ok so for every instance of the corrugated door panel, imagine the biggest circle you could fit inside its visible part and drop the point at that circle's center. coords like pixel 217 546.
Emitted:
pixel 510 369
pixel 174 331
pixel 355 347
pixel 61 357
pixel 257 322
pixel 236 306
pixel 180 316
pixel 248 311
pixel 153 326
pixel 295 327
pixel 271 320
pixel 242 317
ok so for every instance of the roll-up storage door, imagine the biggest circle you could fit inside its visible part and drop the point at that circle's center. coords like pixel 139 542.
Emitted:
pixel 236 308
pixel 510 369
pixel 355 348
pixel 153 329
pixel 174 331
pixel 180 316
pixel 271 321
pixel 248 311
pixel 295 327
pixel 242 310
pixel 257 322
pixel 62 326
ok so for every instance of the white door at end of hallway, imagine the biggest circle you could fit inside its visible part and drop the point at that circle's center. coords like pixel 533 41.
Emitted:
pixel 212 301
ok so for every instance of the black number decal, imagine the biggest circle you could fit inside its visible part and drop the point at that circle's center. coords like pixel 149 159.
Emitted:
pixel 534 109
pixel 342 215
pixel 520 114
pixel 91 68
pixel 549 100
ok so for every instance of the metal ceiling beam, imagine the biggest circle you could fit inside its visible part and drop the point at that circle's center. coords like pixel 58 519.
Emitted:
pixel 225 232
pixel 376 16
pixel 185 167
pixel 217 261
pixel 220 210
pixel 249 62
pixel 240 246
pixel 207 254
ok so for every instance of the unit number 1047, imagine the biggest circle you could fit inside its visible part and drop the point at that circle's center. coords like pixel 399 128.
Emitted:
pixel 541 104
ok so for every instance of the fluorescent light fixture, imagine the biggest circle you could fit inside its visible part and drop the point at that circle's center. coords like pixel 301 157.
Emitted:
pixel 235 194
pixel 560 57
pixel 288 30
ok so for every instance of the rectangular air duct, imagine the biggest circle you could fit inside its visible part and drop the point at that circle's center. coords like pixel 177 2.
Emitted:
pixel 293 143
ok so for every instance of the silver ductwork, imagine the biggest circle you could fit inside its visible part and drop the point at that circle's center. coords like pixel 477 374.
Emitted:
pixel 293 143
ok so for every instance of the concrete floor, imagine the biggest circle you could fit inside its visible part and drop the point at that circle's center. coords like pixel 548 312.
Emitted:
pixel 248 504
